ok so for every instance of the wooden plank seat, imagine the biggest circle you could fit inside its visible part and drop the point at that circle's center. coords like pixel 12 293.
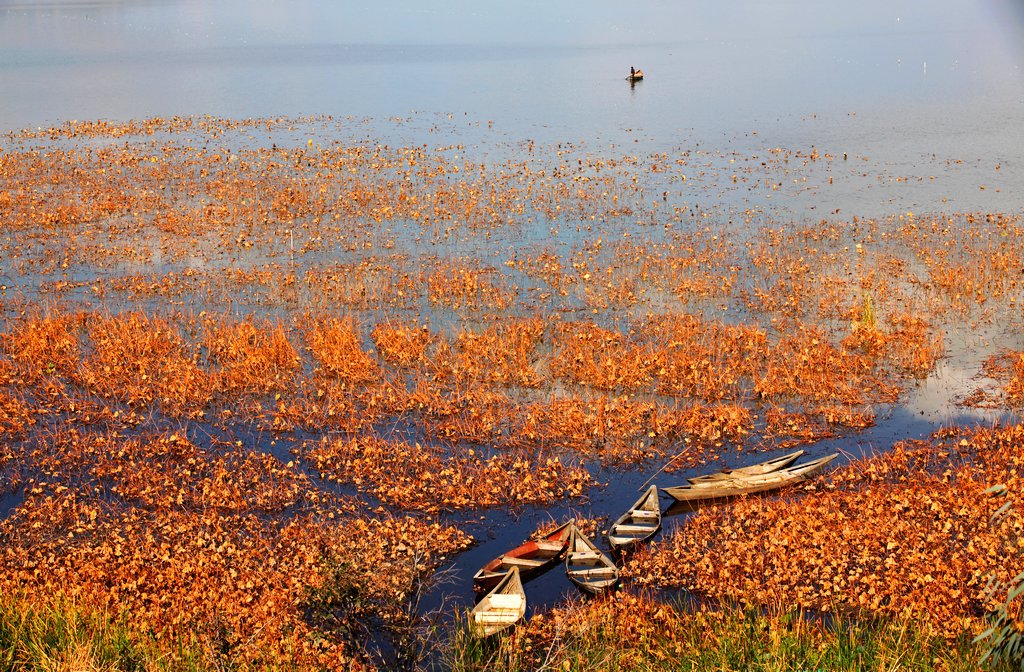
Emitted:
pixel 639 514
pixel 485 575
pixel 506 601
pixel 597 572
pixel 633 529
pixel 545 545
pixel 586 556
pixel 495 617
pixel 521 562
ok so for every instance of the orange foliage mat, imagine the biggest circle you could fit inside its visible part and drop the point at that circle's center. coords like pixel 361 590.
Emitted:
pixel 218 546
pixel 908 531
pixel 292 285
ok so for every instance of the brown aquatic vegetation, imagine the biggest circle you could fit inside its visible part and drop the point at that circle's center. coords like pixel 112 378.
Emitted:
pixel 335 344
pixel 15 419
pixel 908 531
pixel 424 478
pixel 845 416
pixel 795 428
pixel 465 286
pixel 547 267
pixel 1006 370
pixel 586 354
pixel 505 354
pixel 372 283
pixel 638 630
pixel 194 543
pixel 1015 388
pixel 635 621
pixel 617 430
pixel 401 345
pixel 909 345
pixel 806 365
pixel 707 360
pixel 140 360
pixel 217 278
pixel 250 358
pixel 335 405
pixel 45 345
pixel 473 415
pixel 603 427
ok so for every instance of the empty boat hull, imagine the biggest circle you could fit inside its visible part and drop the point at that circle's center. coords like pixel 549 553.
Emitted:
pixel 640 523
pixel 531 557
pixel 732 487
pixel 587 567
pixel 501 608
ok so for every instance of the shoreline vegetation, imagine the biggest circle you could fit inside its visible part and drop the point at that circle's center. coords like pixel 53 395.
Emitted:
pixel 624 632
pixel 258 387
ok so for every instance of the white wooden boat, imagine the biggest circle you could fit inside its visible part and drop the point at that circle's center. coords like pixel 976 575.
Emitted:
pixel 587 567
pixel 501 608
pixel 640 523
pixel 731 487
pixel 758 469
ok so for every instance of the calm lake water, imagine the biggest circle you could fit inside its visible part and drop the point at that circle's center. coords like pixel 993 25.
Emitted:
pixel 896 81
pixel 915 86
pixel 930 88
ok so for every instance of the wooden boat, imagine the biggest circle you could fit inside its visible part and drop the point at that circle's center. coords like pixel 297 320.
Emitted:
pixel 635 76
pixel 638 524
pixel 587 566
pixel 731 487
pixel 758 469
pixel 530 557
pixel 501 608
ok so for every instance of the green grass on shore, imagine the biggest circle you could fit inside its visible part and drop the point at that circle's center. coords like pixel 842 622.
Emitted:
pixel 61 635
pixel 729 639
pixel 638 636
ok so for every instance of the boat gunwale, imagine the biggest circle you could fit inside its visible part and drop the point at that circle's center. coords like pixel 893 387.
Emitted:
pixel 753 470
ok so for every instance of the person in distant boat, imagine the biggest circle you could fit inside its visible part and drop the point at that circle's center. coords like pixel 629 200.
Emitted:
pixel 632 72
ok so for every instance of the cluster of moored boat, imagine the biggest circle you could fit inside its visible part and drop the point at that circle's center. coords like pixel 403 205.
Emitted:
pixel 594 571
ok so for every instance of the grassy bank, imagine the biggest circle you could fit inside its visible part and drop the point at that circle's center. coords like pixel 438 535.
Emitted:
pixel 624 632
pixel 62 635
pixel 635 633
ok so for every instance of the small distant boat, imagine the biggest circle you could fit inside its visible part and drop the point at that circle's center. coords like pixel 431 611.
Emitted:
pixel 635 76
pixel 758 469
pixel 530 557
pixel 720 488
pixel 501 608
pixel 640 523
pixel 587 566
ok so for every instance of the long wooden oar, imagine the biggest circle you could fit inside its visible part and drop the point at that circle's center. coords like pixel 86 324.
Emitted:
pixel 647 482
